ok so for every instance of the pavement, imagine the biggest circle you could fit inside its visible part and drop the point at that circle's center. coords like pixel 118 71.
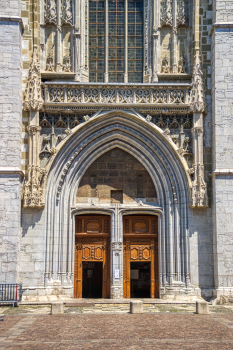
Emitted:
pixel 152 330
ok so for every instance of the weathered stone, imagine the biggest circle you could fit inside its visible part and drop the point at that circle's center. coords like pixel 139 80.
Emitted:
pixel 202 307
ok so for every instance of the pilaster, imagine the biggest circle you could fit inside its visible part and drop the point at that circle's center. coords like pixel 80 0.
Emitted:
pixel 222 175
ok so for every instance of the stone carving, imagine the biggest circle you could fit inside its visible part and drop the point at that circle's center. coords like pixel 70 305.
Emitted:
pixel 34 187
pixel 50 11
pixel 50 67
pixel 124 95
pixel 166 12
pixel 199 196
pixel 33 100
pixel 197 98
pixel 148 118
pixel 66 10
pixel 182 15
pixel 66 64
pixel 181 65
pixel 165 68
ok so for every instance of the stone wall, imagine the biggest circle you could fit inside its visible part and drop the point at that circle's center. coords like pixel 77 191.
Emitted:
pixel 10 139
pixel 118 171
pixel 222 176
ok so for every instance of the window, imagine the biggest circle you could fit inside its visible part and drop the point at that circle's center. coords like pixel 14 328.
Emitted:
pixel 116 41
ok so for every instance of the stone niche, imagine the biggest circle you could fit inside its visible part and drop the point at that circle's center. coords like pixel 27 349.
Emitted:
pixel 116 177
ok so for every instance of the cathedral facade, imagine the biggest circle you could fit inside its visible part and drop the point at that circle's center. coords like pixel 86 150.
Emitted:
pixel 116 160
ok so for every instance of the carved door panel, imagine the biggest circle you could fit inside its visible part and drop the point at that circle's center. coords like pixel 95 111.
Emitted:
pixel 141 245
pixel 92 245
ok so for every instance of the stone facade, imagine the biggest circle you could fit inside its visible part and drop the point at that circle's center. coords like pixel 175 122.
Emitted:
pixel 162 147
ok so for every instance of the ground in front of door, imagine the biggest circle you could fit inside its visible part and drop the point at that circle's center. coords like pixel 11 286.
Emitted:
pixel 170 327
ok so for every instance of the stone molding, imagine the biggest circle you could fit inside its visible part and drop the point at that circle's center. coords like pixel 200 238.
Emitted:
pixel 223 172
pixel 220 25
pixel 12 170
pixel 116 94
pixel 13 19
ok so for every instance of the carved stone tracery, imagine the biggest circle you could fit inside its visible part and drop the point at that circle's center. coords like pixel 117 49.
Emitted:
pixel 33 100
pixel 66 10
pixel 166 13
pixel 50 11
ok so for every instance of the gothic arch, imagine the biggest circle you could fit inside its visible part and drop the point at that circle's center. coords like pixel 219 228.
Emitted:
pixel 157 154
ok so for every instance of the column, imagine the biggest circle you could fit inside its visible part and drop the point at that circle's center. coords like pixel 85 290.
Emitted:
pixel 126 42
pixel 174 40
pixel 222 176
pixel 116 251
pixel 106 43
pixel 59 38
pixel 76 34
pixel 11 175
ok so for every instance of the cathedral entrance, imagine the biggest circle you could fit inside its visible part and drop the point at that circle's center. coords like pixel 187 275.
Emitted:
pixel 140 270
pixel 92 257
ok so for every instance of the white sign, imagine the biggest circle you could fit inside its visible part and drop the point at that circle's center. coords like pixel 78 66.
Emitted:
pixel 117 274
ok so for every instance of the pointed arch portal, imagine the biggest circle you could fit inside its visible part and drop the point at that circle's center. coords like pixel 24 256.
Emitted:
pixel 151 148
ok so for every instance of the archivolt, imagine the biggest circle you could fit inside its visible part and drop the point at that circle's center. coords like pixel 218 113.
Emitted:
pixel 158 155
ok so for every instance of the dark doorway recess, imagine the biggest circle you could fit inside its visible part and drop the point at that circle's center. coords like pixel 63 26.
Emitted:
pixel 92 279
pixel 140 279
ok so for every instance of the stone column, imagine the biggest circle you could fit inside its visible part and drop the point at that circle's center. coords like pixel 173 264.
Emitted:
pixel 116 286
pixel 174 40
pixel 222 175
pixel 106 44
pixel 59 38
pixel 126 42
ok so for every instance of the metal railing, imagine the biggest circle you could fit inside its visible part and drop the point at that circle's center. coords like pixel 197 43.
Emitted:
pixel 11 293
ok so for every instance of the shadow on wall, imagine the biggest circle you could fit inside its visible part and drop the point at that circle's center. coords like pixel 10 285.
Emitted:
pixel 205 259
pixel 30 218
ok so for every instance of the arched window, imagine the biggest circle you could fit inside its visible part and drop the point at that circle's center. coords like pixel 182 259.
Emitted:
pixel 116 41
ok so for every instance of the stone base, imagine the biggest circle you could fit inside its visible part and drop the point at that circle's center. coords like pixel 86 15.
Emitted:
pixel 57 308
pixel 202 308
pixel 136 307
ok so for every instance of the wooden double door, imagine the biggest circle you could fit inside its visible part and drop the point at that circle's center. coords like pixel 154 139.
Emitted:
pixel 140 257
pixel 140 250
pixel 92 257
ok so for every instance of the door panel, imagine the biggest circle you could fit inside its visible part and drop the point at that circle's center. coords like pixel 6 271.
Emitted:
pixel 92 246
pixel 141 245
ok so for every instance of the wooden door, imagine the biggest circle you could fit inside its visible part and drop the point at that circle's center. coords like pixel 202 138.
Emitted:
pixel 92 245
pixel 141 244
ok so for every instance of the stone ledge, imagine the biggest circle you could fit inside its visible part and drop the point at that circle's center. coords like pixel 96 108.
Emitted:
pixel 13 19
pixel 11 170
pixel 220 25
pixel 222 172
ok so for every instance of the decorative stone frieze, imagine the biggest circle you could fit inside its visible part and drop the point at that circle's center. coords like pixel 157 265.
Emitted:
pixel 33 100
pixel 107 94
pixel 197 99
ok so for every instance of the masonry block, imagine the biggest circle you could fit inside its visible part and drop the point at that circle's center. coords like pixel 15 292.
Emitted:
pixel 136 307
pixel 57 308
pixel 202 308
